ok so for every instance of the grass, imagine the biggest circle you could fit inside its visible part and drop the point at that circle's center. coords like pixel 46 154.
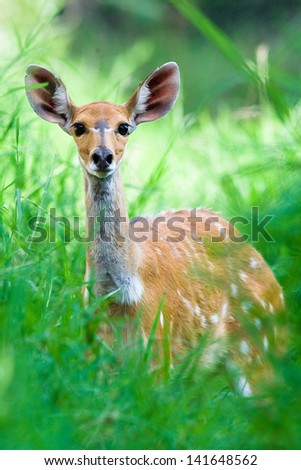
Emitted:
pixel 60 387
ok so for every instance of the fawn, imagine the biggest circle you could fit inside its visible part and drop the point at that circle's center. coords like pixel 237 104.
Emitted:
pixel 225 287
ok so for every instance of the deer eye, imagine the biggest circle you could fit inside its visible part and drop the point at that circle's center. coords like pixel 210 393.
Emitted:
pixel 123 129
pixel 79 129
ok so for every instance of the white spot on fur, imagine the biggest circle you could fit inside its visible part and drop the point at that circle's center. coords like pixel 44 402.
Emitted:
pixel 185 301
pixel 193 246
pixel 265 343
pixel 271 308
pixel 144 339
pixel 211 266
pixel 245 307
pixel 261 301
pixel 244 347
pixel 281 297
pixel 132 292
pixel 218 225
pixel 197 311
pixel 203 321
pixel 244 387
pixel 258 323
pixel 187 253
pixel 224 309
pixel 174 250
pixel 144 93
pixel 157 250
pixel 161 319
pixel 243 276
pixel 221 228
pixel 234 290
pixel 214 318
pixel 253 263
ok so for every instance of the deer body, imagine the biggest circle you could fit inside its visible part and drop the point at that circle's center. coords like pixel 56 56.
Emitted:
pixel 205 284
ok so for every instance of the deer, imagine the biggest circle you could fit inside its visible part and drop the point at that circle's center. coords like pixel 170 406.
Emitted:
pixel 208 281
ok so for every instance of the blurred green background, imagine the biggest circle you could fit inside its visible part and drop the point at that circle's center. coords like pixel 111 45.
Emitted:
pixel 231 142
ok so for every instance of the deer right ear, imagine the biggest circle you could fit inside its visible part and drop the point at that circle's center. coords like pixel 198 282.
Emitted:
pixel 51 101
pixel 156 95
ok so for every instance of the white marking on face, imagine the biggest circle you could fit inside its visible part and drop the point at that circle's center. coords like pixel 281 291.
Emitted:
pixel 95 171
pixel 244 347
pixel 105 129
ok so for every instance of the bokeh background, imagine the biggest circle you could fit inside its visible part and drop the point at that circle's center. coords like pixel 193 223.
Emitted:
pixel 232 142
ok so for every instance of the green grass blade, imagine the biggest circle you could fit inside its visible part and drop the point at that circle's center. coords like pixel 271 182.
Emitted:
pixel 215 35
pixel 152 335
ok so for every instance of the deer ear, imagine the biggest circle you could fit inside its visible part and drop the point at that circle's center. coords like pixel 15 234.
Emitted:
pixel 156 95
pixel 50 101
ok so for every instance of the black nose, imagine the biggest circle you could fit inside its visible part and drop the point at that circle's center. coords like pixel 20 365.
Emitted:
pixel 102 158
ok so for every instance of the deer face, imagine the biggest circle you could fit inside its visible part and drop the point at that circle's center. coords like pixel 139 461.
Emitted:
pixel 100 129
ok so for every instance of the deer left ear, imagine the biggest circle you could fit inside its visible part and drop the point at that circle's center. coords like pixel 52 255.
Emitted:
pixel 156 95
pixel 50 101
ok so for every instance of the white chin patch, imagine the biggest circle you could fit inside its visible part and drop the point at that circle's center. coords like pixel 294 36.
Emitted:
pixel 92 169
pixel 101 174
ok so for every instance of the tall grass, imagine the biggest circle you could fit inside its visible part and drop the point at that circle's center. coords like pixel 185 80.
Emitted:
pixel 60 386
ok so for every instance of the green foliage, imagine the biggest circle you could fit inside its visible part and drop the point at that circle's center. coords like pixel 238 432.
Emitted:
pixel 60 386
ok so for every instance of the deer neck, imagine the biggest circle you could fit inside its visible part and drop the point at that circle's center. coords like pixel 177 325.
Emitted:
pixel 114 258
